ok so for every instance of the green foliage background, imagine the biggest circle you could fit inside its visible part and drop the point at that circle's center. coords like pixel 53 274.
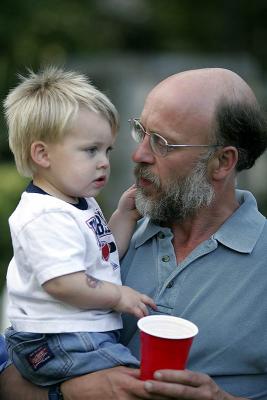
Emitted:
pixel 11 187
pixel 37 32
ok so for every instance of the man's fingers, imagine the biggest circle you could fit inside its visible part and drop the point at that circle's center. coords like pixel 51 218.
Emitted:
pixel 184 377
pixel 183 385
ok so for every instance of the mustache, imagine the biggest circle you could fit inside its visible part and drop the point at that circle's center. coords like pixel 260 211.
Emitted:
pixel 142 171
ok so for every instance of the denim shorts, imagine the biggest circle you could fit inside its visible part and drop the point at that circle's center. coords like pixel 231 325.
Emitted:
pixel 46 359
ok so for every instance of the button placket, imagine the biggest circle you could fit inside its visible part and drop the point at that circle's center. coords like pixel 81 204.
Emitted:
pixel 165 258
pixel 170 285
pixel 161 235
pixel 166 268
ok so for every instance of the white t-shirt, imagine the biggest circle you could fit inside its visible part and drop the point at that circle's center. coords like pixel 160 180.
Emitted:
pixel 52 238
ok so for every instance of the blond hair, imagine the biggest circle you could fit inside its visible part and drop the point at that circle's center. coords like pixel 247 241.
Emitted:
pixel 43 104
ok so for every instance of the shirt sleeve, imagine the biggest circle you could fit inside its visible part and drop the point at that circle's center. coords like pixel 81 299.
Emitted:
pixel 53 245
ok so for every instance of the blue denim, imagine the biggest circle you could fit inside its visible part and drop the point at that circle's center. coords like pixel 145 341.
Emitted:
pixel 3 354
pixel 46 359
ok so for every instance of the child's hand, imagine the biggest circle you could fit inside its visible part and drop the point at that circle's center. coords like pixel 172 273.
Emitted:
pixel 123 221
pixel 133 302
pixel 127 203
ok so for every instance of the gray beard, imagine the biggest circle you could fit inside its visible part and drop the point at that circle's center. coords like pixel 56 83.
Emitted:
pixel 178 199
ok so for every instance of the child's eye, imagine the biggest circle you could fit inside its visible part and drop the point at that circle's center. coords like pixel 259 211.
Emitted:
pixel 109 150
pixel 92 150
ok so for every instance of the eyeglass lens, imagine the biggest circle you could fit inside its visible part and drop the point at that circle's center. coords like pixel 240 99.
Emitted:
pixel 157 143
pixel 138 132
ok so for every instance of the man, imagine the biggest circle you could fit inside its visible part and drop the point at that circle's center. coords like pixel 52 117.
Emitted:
pixel 200 251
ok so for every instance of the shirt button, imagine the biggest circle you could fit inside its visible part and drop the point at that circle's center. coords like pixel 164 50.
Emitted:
pixel 170 285
pixel 161 235
pixel 165 258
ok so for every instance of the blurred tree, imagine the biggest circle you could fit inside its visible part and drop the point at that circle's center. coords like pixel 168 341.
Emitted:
pixel 34 32
pixel 37 32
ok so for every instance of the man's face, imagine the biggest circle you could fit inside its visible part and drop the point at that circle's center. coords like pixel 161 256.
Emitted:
pixel 174 187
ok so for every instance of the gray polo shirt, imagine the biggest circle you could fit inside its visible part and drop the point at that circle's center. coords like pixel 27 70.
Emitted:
pixel 221 286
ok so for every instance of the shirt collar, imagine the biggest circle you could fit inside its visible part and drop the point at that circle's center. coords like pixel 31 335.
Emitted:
pixel 32 188
pixel 239 232
pixel 146 230
pixel 243 228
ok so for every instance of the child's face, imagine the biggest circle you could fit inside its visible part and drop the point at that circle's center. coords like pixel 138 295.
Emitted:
pixel 79 165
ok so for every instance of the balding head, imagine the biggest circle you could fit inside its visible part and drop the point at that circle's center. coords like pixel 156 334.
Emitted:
pixel 201 90
pixel 203 101
pixel 212 84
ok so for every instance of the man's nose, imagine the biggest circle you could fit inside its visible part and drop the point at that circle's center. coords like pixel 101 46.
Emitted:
pixel 143 153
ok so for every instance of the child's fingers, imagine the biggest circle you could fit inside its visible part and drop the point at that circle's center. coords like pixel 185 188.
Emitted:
pixel 149 302
pixel 131 188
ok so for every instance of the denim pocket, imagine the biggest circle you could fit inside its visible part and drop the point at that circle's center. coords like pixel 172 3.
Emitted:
pixel 39 357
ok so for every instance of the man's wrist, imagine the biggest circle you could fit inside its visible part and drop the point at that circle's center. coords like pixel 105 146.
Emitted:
pixel 54 393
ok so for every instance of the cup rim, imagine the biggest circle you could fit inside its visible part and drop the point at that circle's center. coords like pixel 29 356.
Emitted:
pixel 143 323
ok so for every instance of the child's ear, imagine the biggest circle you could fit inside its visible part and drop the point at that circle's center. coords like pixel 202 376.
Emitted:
pixel 39 154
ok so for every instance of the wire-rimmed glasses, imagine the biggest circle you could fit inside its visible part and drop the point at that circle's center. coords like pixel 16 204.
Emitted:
pixel 159 144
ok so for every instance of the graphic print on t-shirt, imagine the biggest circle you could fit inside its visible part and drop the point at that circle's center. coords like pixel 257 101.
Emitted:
pixel 102 232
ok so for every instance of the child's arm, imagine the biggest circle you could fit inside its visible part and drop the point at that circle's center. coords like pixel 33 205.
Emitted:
pixel 123 220
pixel 86 292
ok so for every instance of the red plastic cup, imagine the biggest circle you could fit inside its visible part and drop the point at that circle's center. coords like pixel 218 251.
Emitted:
pixel 165 343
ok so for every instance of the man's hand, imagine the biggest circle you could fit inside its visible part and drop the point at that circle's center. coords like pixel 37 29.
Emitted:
pixel 185 385
pixel 119 383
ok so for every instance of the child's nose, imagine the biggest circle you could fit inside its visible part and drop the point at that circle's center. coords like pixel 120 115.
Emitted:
pixel 103 162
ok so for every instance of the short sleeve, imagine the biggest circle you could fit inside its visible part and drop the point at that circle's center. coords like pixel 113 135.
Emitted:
pixel 53 245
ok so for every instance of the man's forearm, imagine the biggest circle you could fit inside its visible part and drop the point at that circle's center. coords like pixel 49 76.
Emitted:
pixel 14 387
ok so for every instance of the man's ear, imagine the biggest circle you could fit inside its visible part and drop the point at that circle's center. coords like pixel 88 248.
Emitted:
pixel 224 162
pixel 39 154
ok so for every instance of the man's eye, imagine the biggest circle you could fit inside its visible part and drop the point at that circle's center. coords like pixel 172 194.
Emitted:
pixel 139 132
pixel 158 141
